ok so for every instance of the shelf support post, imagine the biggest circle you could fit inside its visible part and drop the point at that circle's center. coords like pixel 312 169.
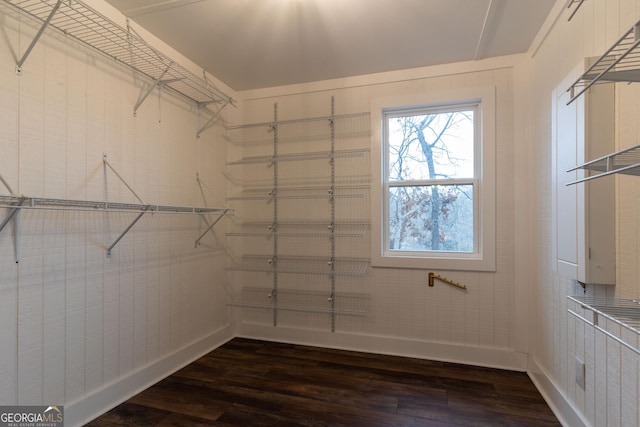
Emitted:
pixel 332 165
pixel 36 38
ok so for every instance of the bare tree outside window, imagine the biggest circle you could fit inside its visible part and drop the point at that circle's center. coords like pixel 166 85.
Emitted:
pixel 430 180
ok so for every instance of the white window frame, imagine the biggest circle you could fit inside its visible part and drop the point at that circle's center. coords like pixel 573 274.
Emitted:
pixel 483 258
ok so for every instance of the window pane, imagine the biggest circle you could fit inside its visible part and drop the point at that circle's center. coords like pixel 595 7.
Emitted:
pixel 430 146
pixel 431 218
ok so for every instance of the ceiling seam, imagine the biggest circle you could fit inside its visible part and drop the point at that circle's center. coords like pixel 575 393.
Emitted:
pixel 487 25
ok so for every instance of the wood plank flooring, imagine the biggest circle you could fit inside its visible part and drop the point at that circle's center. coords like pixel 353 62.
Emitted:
pixel 257 383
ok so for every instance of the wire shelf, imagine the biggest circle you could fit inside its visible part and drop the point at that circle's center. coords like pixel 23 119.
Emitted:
pixel 300 121
pixel 625 161
pixel 301 229
pixel 620 63
pixel 301 193
pixel 341 154
pixel 623 312
pixel 300 265
pixel 15 202
pixel 77 20
pixel 302 302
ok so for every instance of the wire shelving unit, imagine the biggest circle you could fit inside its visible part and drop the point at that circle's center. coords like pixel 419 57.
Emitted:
pixel 298 187
pixel 625 313
pixel 620 63
pixel 626 161
pixel 77 20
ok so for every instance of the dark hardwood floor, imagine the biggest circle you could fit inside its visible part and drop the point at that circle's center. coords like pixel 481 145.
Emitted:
pixel 258 383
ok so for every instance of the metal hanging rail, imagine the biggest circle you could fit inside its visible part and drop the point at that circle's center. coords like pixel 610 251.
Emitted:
pixel 40 203
pixel 145 208
pixel 15 204
pixel 86 25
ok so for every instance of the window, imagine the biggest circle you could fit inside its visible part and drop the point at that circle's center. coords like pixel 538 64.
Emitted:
pixel 435 201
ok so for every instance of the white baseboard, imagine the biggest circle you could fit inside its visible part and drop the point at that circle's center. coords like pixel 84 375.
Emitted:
pixel 477 356
pixel 83 410
pixel 562 407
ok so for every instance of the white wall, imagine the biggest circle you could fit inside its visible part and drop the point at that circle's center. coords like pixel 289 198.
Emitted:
pixel 77 326
pixel 484 325
pixel 611 393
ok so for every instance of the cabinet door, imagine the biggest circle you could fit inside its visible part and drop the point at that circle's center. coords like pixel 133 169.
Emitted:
pixel 583 214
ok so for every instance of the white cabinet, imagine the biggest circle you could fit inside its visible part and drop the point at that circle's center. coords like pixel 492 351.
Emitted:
pixel 583 214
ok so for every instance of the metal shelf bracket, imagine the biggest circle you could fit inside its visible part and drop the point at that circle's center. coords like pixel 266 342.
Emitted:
pixel 570 5
pixel 140 215
pixel 12 214
pixel 45 24
pixel 210 122
pixel 145 93
pixel 224 212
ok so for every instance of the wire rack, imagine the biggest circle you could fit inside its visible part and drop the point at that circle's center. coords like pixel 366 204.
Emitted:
pixel 351 267
pixel 76 19
pixel 339 154
pixel 326 119
pixel 597 311
pixel 302 301
pixel 626 161
pixel 301 229
pixel 620 63
pixel 15 202
pixel 342 192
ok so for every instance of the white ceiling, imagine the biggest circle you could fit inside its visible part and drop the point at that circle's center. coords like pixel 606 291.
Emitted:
pixel 251 44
